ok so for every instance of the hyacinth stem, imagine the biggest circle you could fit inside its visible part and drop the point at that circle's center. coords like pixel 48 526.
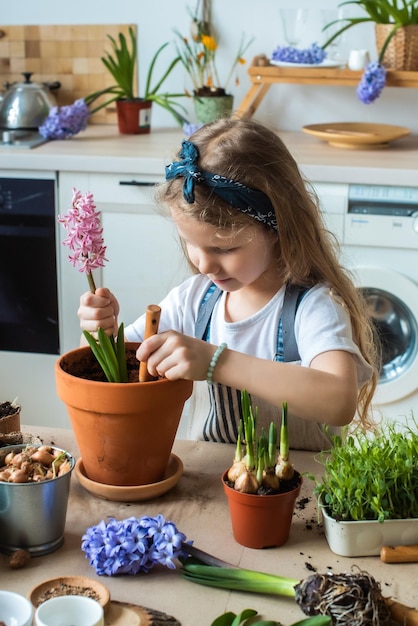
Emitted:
pixel 92 284
pixel 239 579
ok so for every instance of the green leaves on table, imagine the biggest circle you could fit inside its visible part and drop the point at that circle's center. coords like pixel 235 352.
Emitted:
pixel 244 619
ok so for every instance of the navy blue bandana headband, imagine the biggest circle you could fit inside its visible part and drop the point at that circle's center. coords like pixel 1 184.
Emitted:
pixel 254 203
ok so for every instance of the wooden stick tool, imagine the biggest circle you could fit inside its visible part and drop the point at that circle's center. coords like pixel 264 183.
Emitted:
pixel 152 320
pixel 399 554
pixel 402 614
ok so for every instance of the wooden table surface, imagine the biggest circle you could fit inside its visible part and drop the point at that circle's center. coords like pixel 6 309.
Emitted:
pixel 198 507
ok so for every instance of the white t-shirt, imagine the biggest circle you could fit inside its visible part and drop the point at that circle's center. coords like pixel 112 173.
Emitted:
pixel 321 324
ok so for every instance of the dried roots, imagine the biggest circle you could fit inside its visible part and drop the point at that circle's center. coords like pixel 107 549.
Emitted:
pixel 349 599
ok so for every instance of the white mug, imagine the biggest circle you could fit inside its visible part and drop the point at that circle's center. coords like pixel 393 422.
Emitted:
pixel 69 611
pixel 358 59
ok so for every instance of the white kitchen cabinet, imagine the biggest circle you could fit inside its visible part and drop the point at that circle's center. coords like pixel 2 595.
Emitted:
pixel 144 257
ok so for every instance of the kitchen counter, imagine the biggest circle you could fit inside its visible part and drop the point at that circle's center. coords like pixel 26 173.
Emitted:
pixel 198 507
pixel 103 149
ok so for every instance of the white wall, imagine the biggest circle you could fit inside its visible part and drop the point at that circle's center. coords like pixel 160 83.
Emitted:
pixel 286 106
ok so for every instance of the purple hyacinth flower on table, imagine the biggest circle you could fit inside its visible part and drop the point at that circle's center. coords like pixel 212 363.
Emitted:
pixel 132 545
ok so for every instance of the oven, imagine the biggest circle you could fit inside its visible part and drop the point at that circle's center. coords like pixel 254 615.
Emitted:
pixel 28 268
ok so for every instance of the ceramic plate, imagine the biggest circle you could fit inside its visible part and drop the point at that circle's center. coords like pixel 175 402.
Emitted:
pixel 69 585
pixel 325 63
pixel 356 134
pixel 134 493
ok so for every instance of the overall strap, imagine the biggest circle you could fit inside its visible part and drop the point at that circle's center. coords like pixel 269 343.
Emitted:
pixel 287 349
pixel 205 311
pixel 292 297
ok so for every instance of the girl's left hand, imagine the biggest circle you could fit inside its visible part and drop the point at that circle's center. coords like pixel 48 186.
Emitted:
pixel 174 356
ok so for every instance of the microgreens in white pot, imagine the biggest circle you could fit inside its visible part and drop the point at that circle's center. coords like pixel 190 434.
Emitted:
pixel 86 243
pixel 370 477
pixel 132 545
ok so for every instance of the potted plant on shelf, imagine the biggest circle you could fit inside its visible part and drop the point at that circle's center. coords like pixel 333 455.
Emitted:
pixel 124 430
pixel 396 26
pixel 198 56
pixel 261 485
pixel 367 491
pixel 396 29
pixel 133 111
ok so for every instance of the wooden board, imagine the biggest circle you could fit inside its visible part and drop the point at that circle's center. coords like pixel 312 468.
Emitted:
pixel 69 54
pixel 126 614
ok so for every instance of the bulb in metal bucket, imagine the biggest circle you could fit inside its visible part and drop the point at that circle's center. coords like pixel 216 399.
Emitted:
pixel 33 514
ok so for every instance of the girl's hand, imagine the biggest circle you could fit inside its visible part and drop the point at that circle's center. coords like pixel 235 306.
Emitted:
pixel 174 356
pixel 99 309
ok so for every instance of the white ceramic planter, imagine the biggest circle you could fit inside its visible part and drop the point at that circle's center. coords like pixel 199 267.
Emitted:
pixel 366 538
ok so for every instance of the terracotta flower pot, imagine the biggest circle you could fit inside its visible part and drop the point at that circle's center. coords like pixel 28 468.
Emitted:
pixel 124 431
pixel 134 116
pixel 261 521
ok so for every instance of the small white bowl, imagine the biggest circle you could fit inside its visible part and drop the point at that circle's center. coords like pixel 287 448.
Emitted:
pixel 15 610
pixel 67 610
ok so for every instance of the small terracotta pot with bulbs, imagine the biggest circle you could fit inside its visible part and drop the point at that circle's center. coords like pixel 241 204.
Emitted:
pixel 260 521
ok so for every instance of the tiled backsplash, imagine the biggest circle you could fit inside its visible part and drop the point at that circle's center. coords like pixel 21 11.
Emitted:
pixel 68 54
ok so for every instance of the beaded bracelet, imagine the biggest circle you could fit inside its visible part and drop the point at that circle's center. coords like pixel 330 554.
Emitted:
pixel 214 360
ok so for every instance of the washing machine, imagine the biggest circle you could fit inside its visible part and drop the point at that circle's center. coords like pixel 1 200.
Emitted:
pixel 377 227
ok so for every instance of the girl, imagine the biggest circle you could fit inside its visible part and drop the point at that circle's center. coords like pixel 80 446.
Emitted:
pixel 253 235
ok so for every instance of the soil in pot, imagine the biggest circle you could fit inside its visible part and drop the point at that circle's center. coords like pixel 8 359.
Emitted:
pixel 87 367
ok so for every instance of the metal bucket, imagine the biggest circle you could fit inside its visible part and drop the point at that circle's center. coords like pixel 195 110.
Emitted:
pixel 32 515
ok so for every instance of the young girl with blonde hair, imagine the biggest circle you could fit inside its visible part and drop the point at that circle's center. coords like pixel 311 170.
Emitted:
pixel 269 308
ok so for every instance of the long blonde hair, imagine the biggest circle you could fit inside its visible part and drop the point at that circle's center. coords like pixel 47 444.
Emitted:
pixel 246 151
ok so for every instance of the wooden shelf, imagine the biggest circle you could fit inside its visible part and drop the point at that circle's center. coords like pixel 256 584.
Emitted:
pixel 263 76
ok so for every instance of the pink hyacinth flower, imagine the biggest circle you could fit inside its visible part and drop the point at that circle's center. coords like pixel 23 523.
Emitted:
pixel 85 240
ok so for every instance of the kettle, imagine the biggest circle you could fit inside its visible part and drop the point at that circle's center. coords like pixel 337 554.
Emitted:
pixel 26 105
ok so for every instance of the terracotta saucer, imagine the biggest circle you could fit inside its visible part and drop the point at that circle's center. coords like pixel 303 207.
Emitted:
pixel 70 585
pixel 134 493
